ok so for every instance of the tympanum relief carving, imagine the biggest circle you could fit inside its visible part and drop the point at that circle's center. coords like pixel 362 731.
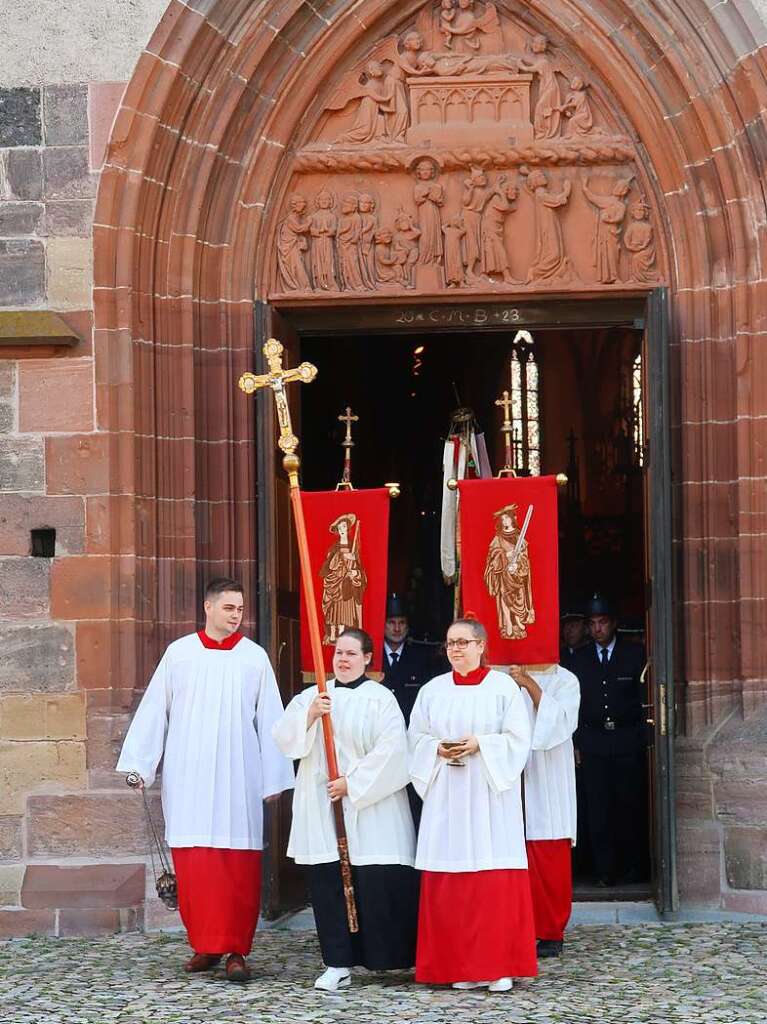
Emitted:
pixel 466 152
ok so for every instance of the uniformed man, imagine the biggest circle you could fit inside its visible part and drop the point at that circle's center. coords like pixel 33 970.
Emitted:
pixel 407 664
pixel 574 635
pixel 611 747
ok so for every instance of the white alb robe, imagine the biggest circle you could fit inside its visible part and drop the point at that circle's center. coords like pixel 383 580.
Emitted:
pixel 371 748
pixel 472 815
pixel 211 712
pixel 550 804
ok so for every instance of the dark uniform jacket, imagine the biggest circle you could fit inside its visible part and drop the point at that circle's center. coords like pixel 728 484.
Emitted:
pixel 417 664
pixel 611 719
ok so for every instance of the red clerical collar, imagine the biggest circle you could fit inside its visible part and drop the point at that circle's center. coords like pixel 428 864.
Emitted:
pixel 219 645
pixel 473 678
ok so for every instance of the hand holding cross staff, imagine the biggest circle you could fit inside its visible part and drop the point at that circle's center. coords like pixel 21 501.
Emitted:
pixel 276 379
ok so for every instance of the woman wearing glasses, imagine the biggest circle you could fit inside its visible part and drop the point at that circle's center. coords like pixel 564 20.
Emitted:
pixel 469 741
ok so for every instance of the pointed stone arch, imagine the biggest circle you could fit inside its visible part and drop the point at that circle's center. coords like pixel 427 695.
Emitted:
pixel 196 169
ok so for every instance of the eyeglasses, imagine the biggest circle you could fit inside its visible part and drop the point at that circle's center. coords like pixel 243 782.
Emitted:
pixel 461 643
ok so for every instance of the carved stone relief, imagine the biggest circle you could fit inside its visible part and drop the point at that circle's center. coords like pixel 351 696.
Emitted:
pixel 466 152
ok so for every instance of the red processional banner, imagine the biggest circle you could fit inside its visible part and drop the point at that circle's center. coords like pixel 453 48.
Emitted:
pixel 348 534
pixel 509 565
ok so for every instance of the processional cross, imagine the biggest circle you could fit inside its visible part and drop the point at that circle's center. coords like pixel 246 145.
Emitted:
pixel 345 483
pixel 506 430
pixel 276 379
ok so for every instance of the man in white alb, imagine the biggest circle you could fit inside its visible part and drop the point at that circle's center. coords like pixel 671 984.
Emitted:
pixel 209 709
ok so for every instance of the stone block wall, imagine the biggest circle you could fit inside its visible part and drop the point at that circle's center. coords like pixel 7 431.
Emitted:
pixel 72 844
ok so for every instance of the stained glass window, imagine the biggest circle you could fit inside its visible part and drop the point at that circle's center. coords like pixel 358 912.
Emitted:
pixel 526 427
pixel 638 412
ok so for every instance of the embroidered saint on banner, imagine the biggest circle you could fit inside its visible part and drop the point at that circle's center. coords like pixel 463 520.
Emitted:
pixel 343 579
pixel 508 577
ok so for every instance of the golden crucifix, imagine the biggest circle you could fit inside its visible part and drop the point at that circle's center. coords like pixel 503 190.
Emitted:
pixel 345 483
pixel 276 379
pixel 506 430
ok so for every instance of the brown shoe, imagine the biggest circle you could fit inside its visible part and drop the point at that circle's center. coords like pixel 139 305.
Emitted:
pixel 236 968
pixel 201 962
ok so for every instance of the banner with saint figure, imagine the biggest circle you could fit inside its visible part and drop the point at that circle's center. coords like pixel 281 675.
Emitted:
pixel 509 565
pixel 348 534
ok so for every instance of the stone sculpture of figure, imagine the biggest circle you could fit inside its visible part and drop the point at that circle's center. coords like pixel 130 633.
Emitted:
pixel 454 231
pixel 639 239
pixel 376 97
pixel 508 576
pixel 611 211
pixel 348 241
pixel 547 109
pixel 469 32
pixel 368 228
pixel 577 110
pixel 495 257
pixel 389 264
pixel 344 580
pixel 291 246
pixel 405 243
pixel 550 261
pixel 446 18
pixel 475 194
pixel 323 226
pixel 429 196
pixel 452 64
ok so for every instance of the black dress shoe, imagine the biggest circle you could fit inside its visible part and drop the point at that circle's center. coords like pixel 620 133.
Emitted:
pixel 549 947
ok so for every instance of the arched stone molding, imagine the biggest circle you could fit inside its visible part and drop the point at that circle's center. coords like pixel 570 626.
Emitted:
pixel 189 198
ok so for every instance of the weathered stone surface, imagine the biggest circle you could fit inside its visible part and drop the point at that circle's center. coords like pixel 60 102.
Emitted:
pixel 81 587
pixel 56 395
pixel 20 219
pixel 36 658
pixel 24 587
pixel 89 921
pixel 105 737
pixel 11 877
pixel 11 839
pixel 66 173
pixel 23 174
pixel 19 515
pixel 16 923
pixel 42 716
pixel 20 117
pixel 7 404
pixel 21 464
pixel 92 885
pixel 88 825
pixel 22 272
pixel 27 766
pixel 65 115
pixel 69 217
pixel 699 864
pixel 742 801
pixel 103 101
pixel 77 464
pixel 70 273
pixel 745 857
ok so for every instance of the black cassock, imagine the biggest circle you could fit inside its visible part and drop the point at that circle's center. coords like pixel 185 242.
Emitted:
pixel 612 740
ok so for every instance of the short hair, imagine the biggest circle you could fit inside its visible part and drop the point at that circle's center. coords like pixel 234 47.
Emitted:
pixel 478 630
pixel 365 639
pixel 220 585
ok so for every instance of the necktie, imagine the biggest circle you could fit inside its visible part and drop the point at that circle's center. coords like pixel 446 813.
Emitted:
pixel 605 655
pixel 393 659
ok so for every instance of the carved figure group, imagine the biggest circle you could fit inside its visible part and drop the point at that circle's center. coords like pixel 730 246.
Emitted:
pixel 550 261
pixel 638 238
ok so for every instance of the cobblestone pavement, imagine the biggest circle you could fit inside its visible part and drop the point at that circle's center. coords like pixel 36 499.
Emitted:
pixel 639 975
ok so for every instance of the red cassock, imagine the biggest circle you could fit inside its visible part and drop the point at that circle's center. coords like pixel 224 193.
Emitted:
pixel 475 926
pixel 550 867
pixel 219 897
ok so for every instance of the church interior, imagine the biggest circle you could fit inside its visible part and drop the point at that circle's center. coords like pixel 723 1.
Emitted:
pixel 575 408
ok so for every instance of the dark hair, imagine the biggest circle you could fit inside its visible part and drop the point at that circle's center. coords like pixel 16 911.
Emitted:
pixel 220 585
pixel 478 631
pixel 365 639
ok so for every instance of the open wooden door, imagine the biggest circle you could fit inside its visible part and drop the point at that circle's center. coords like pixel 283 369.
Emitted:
pixel 278 596
pixel 660 561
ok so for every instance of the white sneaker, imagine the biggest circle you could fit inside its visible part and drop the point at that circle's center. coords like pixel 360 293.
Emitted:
pixel 334 978
pixel 501 985
pixel 470 984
